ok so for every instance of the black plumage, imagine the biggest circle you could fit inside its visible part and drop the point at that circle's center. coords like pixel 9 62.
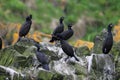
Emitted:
pixel 108 42
pixel 42 58
pixel 58 29
pixel 67 48
pixel 65 35
pixel 25 27
pixel 0 43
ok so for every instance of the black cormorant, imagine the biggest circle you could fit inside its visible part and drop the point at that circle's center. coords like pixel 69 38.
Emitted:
pixel 58 29
pixel 42 58
pixel 107 45
pixel 65 35
pixel 67 48
pixel 25 27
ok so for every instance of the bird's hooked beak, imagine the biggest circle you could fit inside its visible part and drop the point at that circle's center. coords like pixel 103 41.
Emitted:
pixel 70 25
pixel 111 25
pixel 30 16
pixel 62 18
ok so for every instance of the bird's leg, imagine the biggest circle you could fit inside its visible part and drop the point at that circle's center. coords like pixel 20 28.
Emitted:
pixel 66 58
pixel 105 49
pixel 39 65
pixel 57 44
pixel 26 39
pixel 34 61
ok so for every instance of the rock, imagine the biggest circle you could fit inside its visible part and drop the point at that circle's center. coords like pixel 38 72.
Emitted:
pixel 103 67
pixel 45 75
pixel 7 56
pixel 54 52
pixel 117 69
pixel 21 60
pixel 9 73
pixel 27 51
pixel 80 70
pixel 82 51
pixel 116 50
pixel 23 44
pixel 17 55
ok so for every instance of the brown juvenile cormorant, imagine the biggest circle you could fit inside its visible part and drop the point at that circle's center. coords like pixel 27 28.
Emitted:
pixel 107 45
pixel 65 35
pixel 25 27
pixel 58 29
pixel 42 58
pixel 67 48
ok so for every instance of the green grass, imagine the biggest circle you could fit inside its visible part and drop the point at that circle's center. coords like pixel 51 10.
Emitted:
pixel 102 11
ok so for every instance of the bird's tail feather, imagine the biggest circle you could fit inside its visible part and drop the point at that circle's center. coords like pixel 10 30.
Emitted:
pixel 76 58
pixel 52 40
pixel 18 39
pixel 38 66
pixel 45 66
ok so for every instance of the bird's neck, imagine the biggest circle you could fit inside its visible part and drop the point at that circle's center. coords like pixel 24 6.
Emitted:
pixel 61 41
pixel 61 22
pixel 109 31
pixel 69 28
pixel 38 49
pixel 28 20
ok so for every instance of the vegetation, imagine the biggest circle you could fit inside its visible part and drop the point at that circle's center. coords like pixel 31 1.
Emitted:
pixel 102 12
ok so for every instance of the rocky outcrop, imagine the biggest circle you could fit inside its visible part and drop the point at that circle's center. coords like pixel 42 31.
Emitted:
pixel 19 62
